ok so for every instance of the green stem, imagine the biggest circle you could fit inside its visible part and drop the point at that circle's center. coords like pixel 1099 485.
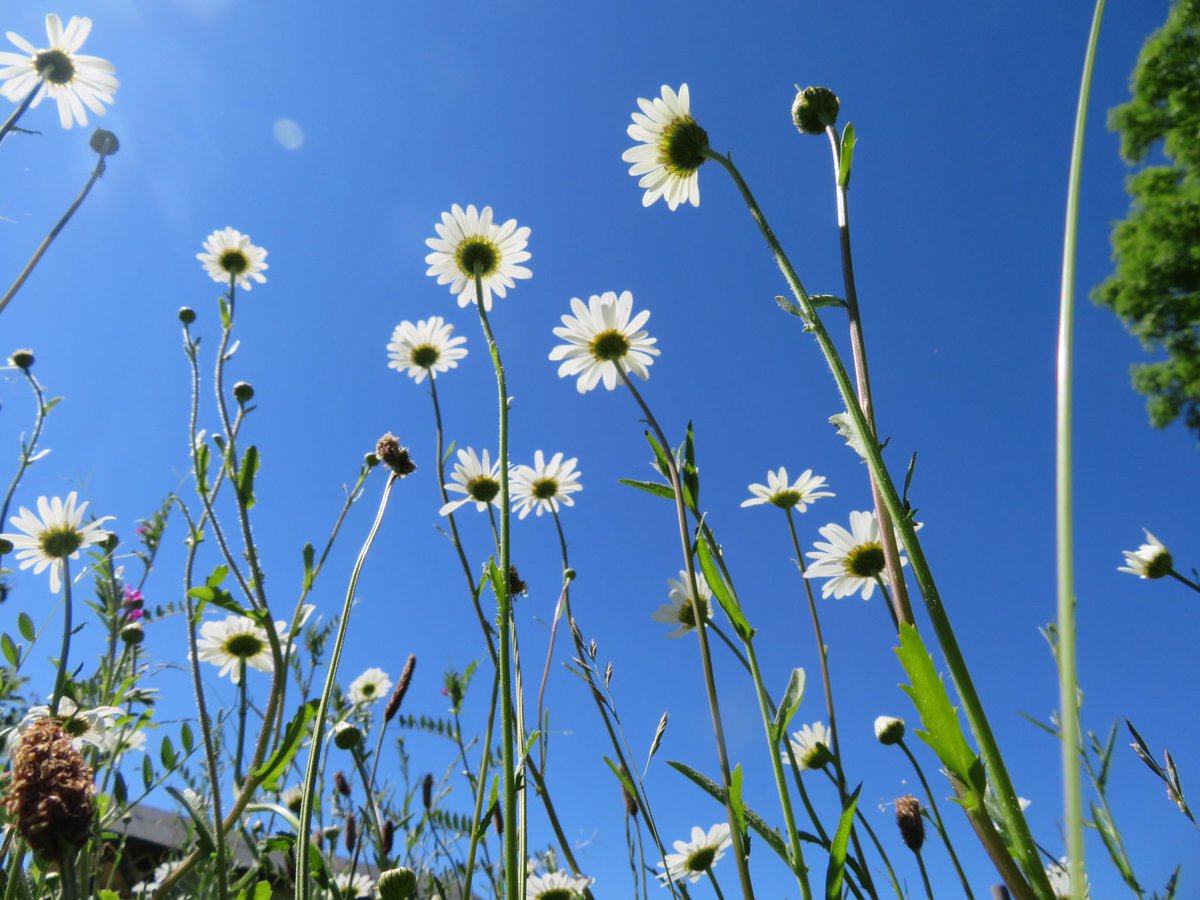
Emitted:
pixel 937 817
pixel 101 164
pixel 701 629
pixel 11 122
pixel 60 677
pixel 14 874
pixel 1068 702
pixel 68 876
pixel 243 705
pixel 716 886
pixel 902 609
pixel 1023 845
pixel 513 866
pixel 303 863
pixel 27 450
pixel 924 874
pixel 481 786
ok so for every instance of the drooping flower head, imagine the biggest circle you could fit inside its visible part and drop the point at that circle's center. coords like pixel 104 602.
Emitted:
pixel 469 241
pixel 425 348
pixel 556 886
pixel 1150 560
pixel 229 256
pixel 669 150
pixel 478 479
pixel 678 610
pixel 778 492
pixel 600 336
pixel 692 859
pixel 54 535
pixel 370 686
pixel 542 486
pixel 810 746
pixel 851 560
pixel 72 79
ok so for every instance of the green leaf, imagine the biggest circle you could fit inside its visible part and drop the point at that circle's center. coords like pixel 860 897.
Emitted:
pixel 738 804
pixel 245 482
pixel 690 474
pixel 942 733
pixel 147 772
pixel 109 895
pixel 186 738
pixel 650 487
pixel 1112 843
pixel 261 891
pixel 120 790
pixel 721 590
pixel 25 626
pixel 297 729
pixel 309 554
pixel 11 653
pixel 204 838
pixel 835 873
pixel 623 777
pixel 167 753
pixel 789 704
pixel 660 457
pixel 202 461
pixel 848 142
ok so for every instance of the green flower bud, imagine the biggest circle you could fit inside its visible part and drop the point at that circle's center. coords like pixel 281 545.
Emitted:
pixel 6 546
pixel 104 142
pixel 370 460
pixel 397 884
pixel 22 359
pixel 346 736
pixel 132 633
pixel 242 392
pixel 187 315
pixel 889 730
pixel 815 109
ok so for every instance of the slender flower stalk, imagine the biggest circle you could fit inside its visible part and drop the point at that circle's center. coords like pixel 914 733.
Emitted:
pixel 1068 695
pixel 739 851
pixel 937 818
pixel 60 676
pixel 11 122
pixel 1024 848
pixel 303 863
pixel 513 865
pixel 103 149
pixel 901 606
pixel 28 450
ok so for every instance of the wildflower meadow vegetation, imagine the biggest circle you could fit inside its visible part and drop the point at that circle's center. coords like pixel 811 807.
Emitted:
pixel 383 564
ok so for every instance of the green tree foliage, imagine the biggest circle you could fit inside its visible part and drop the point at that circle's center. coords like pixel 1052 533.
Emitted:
pixel 1156 286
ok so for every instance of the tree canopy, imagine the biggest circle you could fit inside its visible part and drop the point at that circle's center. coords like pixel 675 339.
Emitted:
pixel 1155 287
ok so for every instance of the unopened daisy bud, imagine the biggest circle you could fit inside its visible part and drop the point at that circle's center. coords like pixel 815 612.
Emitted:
pixel 393 704
pixel 397 884
pixel 51 791
pixel 133 633
pixel 815 109
pixel 427 792
pixel 104 142
pixel 341 784
pixel 370 460
pixel 111 542
pixel 394 456
pixel 908 818
pixel 187 315
pixel 22 359
pixel 6 546
pixel 351 833
pixel 346 735
pixel 889 730
pixel 243 392
pixel 387 836
pixel 569 574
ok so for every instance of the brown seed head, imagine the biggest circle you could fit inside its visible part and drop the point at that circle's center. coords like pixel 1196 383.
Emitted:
pixel 393 704
pixel 631 806
pixel 387 836
pixel 908 818
pixel 394 456
pixel 342 785
pixel 351 833
pixel 516 587
pixel 427 791
pixel 497 820
pixel 52 792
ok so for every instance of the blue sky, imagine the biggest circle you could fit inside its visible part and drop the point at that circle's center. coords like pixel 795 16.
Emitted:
pixel 964 114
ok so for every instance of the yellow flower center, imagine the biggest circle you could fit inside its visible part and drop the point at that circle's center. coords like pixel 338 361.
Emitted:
pixel 701 860
pixel 785 499
pixel 60 541
pixel 865 560
pixel 483 488
pixel 609 346
pixel 234 262
pixel 544 488
pixel 54 66
pixel 477 252
pixel 425 355
pixel 244 646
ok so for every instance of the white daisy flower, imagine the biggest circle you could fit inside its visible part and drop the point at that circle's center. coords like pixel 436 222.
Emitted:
pixel 425 348
pixel 149 888
pixel 669 149
pixel 478 479
pixel 235 639
pixel 1150 560
pixel 851 560
pixel 355 888
pixel 471 239
pixel 810 746
pixel 370 686
pixel 229 255
pixel 692 859
pixel 544 485
pixel 292 797
pixel 53 535
pixel 678 611
pixel 779 493
pixel 87 726
pixel 556 886
pixel 599 336
pixel 58 72
pixel 1060 880
pixel 132 741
